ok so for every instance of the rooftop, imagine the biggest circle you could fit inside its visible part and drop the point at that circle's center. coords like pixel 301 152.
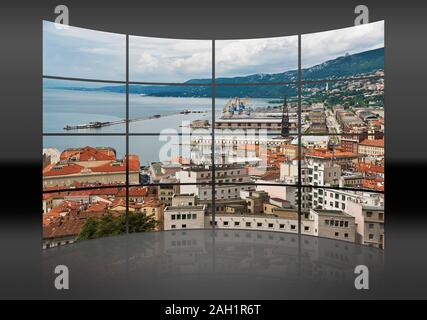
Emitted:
pixel 373 143
pixel 322 212
pixel 184 208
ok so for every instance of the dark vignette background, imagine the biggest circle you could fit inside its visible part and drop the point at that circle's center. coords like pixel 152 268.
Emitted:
pixel 20 95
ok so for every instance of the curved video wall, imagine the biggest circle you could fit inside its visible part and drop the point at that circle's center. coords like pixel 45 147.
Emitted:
pixel 280 134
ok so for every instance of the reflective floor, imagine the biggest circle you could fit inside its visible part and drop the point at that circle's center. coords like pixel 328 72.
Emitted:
pixel 206 264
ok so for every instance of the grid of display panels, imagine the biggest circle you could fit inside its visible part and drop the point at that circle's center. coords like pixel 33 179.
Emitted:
pixel 206 117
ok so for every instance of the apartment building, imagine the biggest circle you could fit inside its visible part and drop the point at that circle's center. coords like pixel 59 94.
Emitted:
pixel 224 174
pixel 165 191
pixel 286 221
pixel 323 173
pixel 373 148
pixel 333 224
pixel 370 223
pixel 184 213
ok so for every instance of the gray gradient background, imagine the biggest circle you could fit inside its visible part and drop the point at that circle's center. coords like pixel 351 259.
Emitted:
pixel 20 96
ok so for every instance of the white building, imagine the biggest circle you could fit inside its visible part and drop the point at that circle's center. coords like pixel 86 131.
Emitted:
pixel 224 174
pixel 184 213
pixel 184 217
pixel 287 223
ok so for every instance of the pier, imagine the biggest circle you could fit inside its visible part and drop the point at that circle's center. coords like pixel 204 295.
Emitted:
pixel 100 124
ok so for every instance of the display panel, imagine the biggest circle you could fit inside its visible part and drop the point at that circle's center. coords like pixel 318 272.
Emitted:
pixel 259 146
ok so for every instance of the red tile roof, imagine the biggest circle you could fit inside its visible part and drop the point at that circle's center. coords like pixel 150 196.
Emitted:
pixel 373 143
pixel 61 169
pixel 375 184
pixel 369 168
pixel 73 168
pixel 119 166
pixel 325 153
pixel 88 154
pixel 133 192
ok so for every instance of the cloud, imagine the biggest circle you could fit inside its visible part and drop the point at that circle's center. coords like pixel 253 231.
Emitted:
pixel 244 57
pixel 169 60
pixel 88 53
pixel 322 46
pixel 98 51
pixel 83 53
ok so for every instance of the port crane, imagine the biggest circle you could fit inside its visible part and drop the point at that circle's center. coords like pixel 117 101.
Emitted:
pixel 237 106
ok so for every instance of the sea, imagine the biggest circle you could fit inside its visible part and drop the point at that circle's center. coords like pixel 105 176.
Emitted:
pixel 62 107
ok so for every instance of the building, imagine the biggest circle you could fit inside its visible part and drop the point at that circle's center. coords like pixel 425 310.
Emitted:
pixel 166 190
pixel 158 171
pixel 50 155
pixel 255 202
pixel 184 213
pixel 346 160
pixel 370 223
pixel 197 175
pixel 349 122
pixel 183 199
pixel 286 221
pixel 323 173
pixel 278 191
pixel 334 224
pixel 271 123
pixel 90 166
pixel 317 119
pixel 372 147
pixel 350 143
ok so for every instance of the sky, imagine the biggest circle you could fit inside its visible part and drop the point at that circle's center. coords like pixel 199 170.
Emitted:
pixel 319 47
pixel 251 56
pixel 84 53
pixel 169 60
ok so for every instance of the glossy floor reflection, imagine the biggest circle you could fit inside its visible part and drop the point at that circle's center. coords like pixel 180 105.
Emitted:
pixel 206 264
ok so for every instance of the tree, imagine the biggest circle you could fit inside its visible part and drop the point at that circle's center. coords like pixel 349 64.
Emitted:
pixel 111 225
pixel 89 229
